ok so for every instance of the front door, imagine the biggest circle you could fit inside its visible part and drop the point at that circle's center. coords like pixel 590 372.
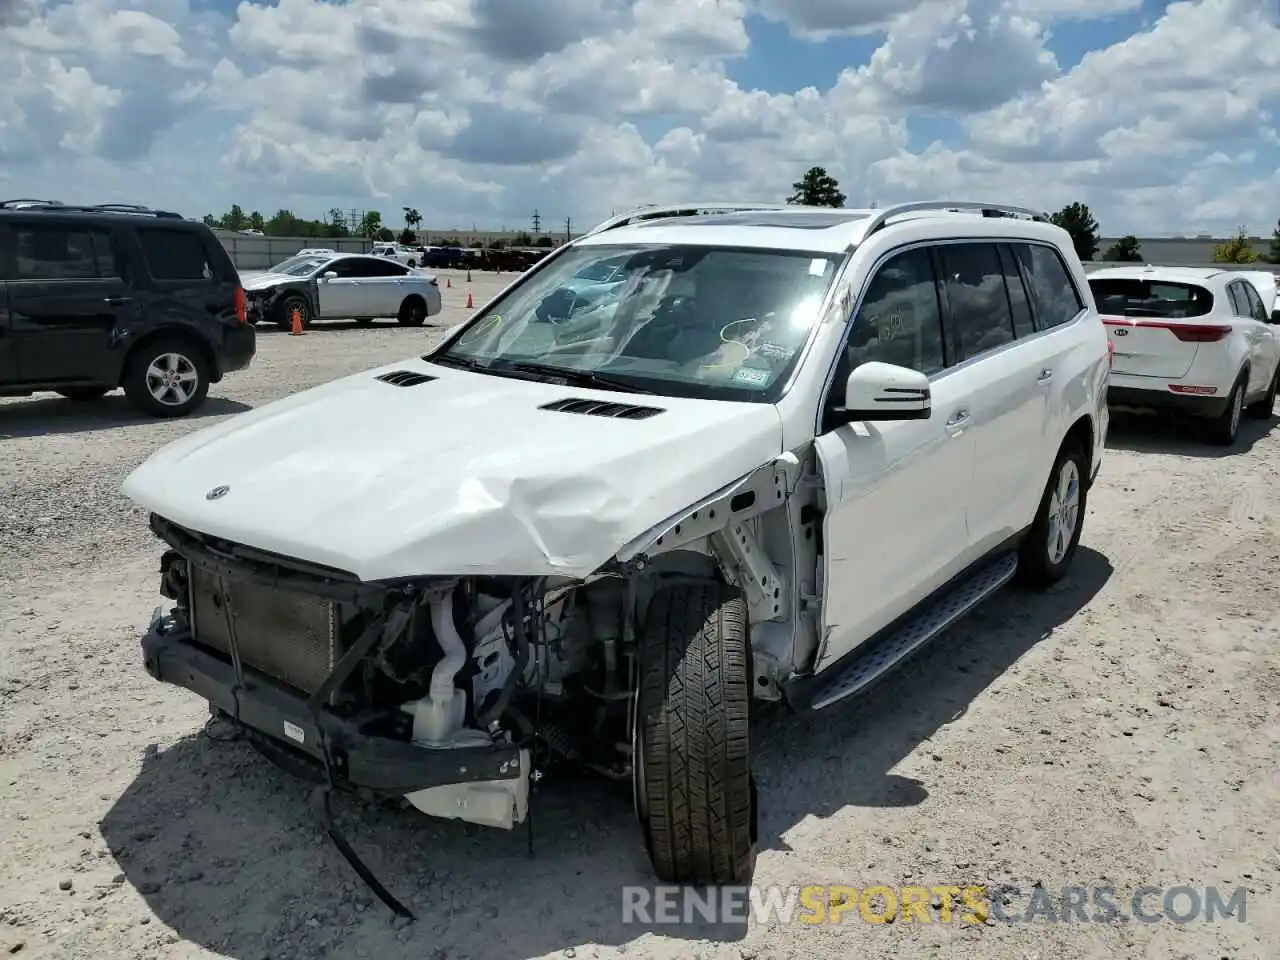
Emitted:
pixel 895 527
pixel 67 301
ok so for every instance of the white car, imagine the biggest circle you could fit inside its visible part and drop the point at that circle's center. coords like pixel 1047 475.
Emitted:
pixel 346 286
pixel 1196 340
pixel 793 446
pixel 405 255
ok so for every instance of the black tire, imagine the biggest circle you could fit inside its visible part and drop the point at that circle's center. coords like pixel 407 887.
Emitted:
pixel 411 264
pixel 692 767
pixel 83 394
pixel 1263 409
pixel 294 302
pixel 1042 561
pixel 413 312
pixel 176 355
pixel 1224 429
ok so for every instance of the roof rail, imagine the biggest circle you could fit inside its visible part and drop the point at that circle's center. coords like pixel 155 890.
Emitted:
pixel 27 202
pixel 668 210
pixel 60 207
pixel 881 217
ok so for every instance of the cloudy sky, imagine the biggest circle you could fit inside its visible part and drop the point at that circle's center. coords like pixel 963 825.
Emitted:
pixel 1160 115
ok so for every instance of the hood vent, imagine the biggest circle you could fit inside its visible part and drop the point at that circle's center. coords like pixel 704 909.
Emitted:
pixel 600 408
pixel 404 378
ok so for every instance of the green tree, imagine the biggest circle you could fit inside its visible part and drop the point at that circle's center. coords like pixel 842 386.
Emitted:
pixel 209 220
pixel 1125 250
pixel 234 219
pixel 255 221
pixel 407 237
pixel 1239 249
pixel 1077 219
pixel 545 242
pixel 370 224
pixel 1273 252
pixel 817 188
pixel 522 239
pixel 385 235
pixel 412 218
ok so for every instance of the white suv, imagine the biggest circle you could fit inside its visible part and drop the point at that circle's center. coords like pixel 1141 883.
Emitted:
pixel 1195 340
pixel 785 451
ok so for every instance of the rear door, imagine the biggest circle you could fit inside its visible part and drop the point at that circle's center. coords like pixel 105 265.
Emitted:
pixel 356 291
pixel 69 304
pixel 1018 372
pixel 1264 345
pixel 8 352
pixel 1155 326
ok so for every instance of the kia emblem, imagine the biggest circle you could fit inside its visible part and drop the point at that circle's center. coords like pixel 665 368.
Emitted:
pixel 217 493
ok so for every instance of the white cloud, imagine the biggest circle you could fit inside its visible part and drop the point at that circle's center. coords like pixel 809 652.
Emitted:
pixel 481 110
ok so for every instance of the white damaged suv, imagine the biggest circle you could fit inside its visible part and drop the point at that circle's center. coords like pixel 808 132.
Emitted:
pixel 788 448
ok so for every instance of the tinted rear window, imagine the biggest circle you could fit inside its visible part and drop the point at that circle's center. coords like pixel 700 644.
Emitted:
pixel 1131 297
pixel 177 254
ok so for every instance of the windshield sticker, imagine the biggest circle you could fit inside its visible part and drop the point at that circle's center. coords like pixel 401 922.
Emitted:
pixel 752 376
pixel 819 267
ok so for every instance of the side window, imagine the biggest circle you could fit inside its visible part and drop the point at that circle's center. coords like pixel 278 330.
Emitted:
pixel 175 254
pixel 47 251
pixel 1257 309
pixel 359 268
pixel 1023 323
pixel 899 321
pixel 977 300
pixel 1239 300
pixel 389 268
pixel 1053 294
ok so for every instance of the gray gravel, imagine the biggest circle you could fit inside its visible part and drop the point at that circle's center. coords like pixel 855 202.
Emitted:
pixel 1122 730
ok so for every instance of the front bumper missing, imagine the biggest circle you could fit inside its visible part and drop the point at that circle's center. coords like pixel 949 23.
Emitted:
pixel 381 765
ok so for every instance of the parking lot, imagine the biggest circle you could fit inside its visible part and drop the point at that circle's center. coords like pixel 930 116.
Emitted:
pixel 1121 730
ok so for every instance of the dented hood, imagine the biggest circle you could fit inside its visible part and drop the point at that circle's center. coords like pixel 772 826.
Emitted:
pixel 463 474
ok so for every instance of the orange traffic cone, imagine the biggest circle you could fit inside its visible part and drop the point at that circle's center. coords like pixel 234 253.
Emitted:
pixel 470 303
pixel 295 322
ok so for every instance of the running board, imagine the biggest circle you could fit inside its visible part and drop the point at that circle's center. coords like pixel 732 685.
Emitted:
pixel 882 654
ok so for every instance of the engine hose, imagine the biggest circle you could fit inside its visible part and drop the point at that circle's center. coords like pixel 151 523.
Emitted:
pixel 521 661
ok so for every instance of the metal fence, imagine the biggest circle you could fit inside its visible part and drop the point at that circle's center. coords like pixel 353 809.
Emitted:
pixel 250 252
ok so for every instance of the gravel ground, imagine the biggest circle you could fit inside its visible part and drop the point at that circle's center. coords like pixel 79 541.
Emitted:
pixel 1121 731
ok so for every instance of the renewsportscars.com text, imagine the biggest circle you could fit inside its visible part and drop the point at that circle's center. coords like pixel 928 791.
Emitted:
pixel 837 904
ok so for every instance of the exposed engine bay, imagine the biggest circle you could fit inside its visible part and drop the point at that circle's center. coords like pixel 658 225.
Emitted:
pixel 463 662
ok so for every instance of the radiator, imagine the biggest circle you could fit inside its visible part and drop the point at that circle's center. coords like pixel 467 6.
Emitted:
pixel 291 637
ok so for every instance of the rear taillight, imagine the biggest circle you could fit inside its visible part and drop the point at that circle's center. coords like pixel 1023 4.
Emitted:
pixel 1196 333
pixel 1186 332
pixel 242 314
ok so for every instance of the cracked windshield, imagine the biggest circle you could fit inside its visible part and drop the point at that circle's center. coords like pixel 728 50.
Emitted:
pixel 681 320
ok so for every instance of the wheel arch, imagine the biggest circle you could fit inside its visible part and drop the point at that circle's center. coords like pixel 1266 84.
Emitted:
pixel 184 334
pixel 1081 434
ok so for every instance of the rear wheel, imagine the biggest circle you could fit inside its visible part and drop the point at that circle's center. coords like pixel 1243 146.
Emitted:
pixel 168 377
pixel 83 394
pixel 1225 428
pixel 1050 545
pixel 1262 410
pixel 413 312
pixel 691 767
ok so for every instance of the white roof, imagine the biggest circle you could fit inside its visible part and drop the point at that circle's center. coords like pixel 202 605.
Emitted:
pixel 816 229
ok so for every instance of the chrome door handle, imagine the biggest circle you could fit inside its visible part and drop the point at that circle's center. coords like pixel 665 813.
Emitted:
pixel 1045 375
pixel 958 419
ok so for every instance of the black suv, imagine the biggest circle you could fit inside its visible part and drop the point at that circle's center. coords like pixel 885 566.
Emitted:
pixel 115 295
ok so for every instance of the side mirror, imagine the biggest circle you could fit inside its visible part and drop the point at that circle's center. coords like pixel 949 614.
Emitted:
pixel 879 392
pixel 329 275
